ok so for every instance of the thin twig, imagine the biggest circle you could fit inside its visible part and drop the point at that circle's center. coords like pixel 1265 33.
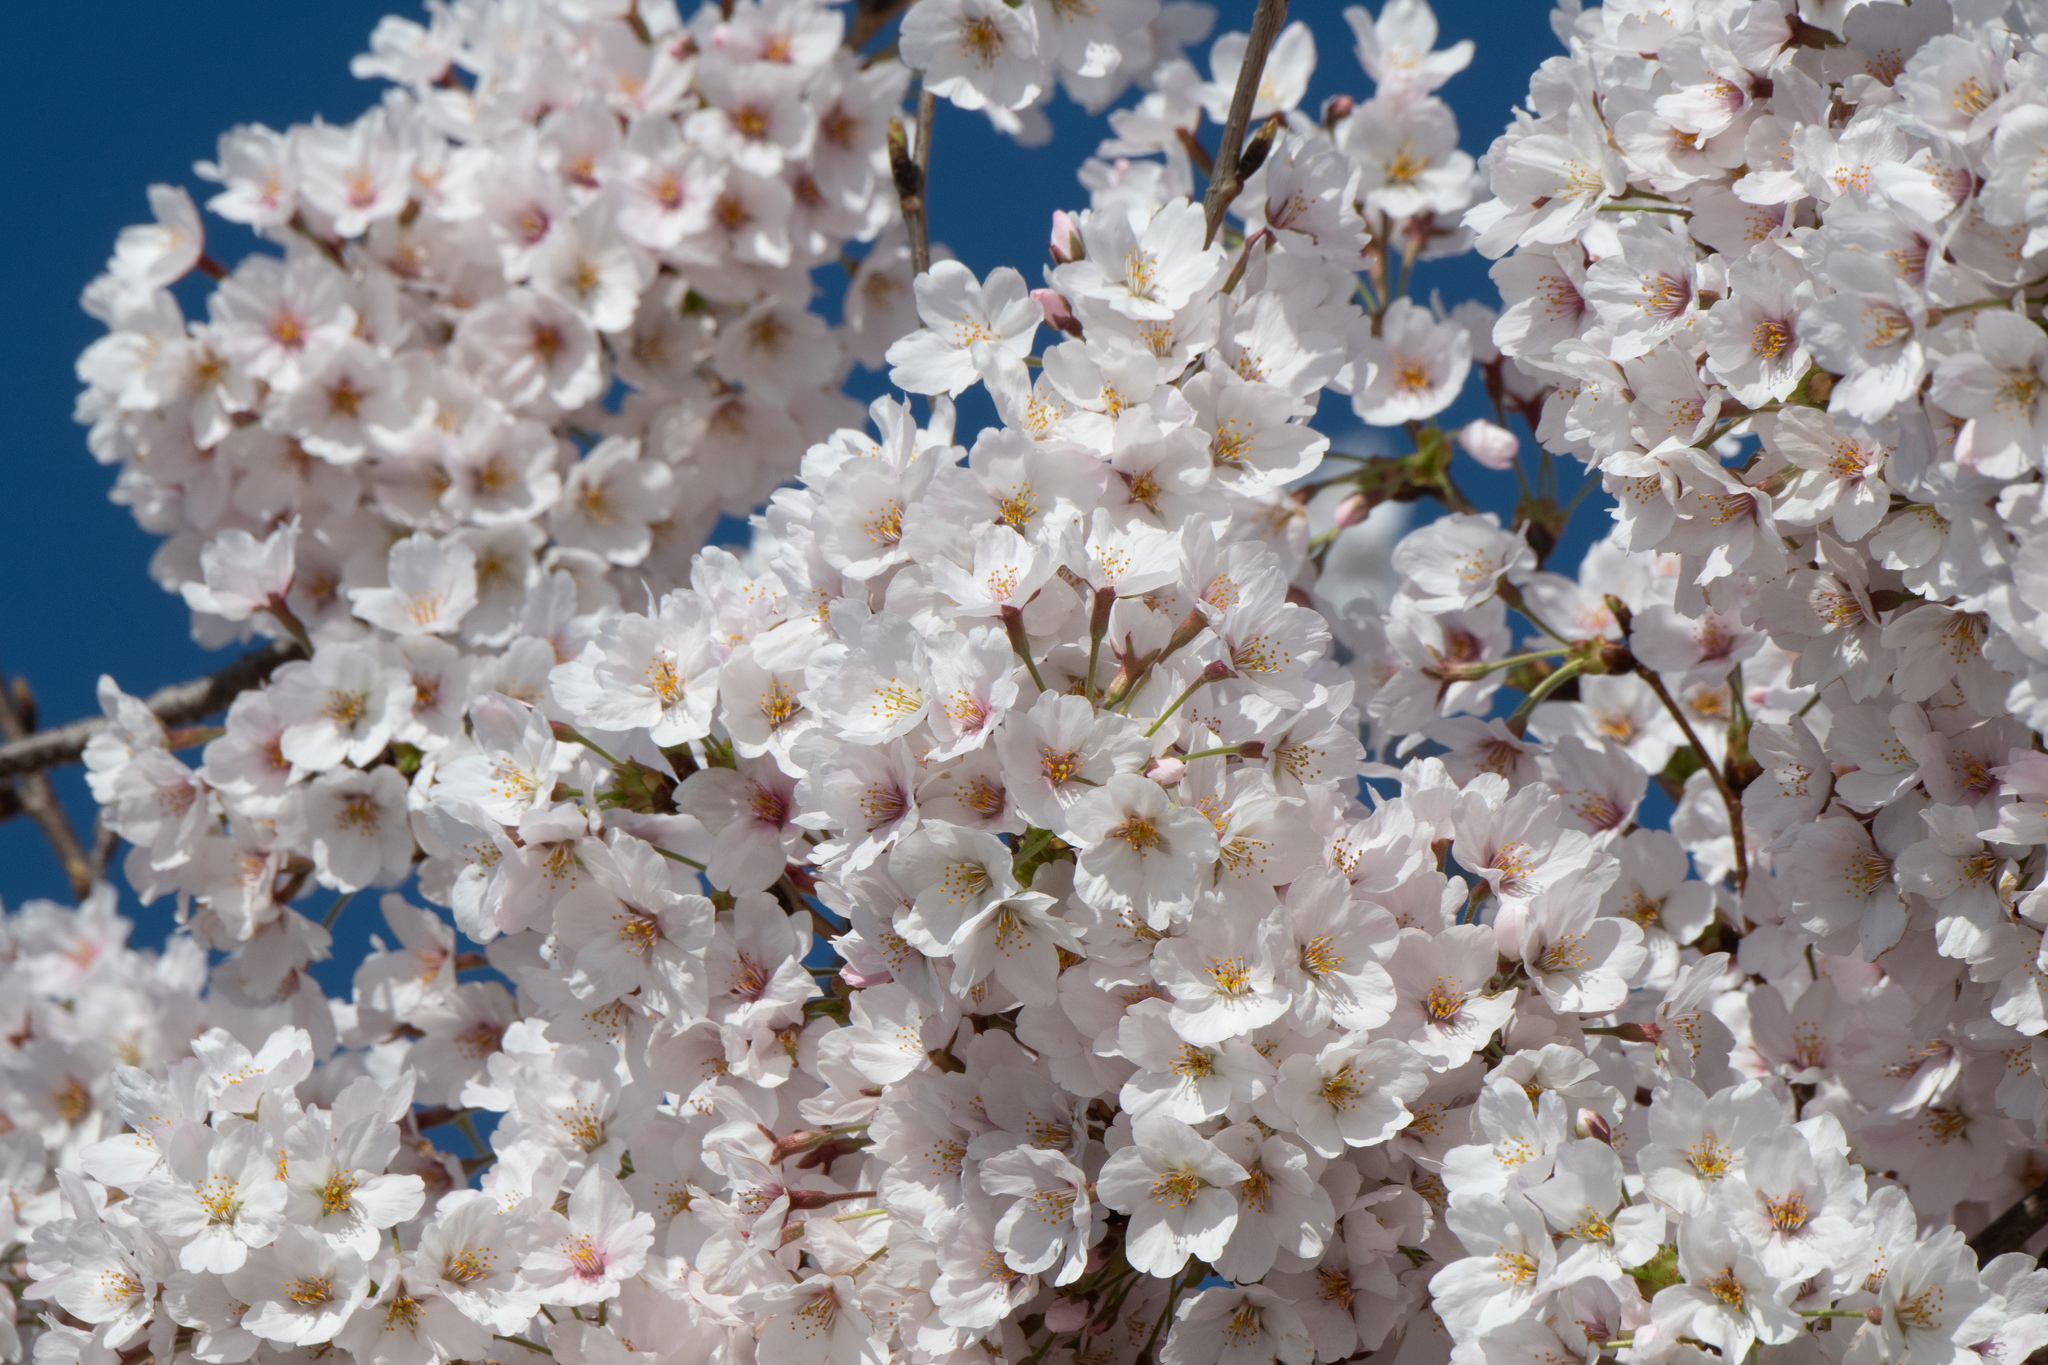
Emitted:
pixel 104 842
pixel 2011 1229
pixel 921 246
pixel 178 704
pixel 927 108
pixel 1729 797
pixel 39 798
pixel 869 18
pixel 910 168
pixel 1225 184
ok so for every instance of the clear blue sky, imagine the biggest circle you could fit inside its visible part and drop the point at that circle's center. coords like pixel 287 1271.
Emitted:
pixel 104 99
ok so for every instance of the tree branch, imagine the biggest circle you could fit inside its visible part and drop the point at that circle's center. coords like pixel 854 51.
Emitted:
pixel 910 167
pixel 104 844
pixel 2011 1229
pixel 39 798
pixel 1731 800
pixel 179 704
pixel 869 18
pixel 1225 183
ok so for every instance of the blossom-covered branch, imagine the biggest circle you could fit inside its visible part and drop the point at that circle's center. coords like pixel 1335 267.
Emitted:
pixel 178 704
pixel 1025 904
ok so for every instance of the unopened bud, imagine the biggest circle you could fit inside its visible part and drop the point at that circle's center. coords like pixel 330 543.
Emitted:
pixel 1354 509
pixel 1013 625
pixel 1618 609
pixel 1493 446
pixel 1098 613
pixel 1593 1126
pixel 1336 109
pixel 1167 770
pixel 1066 238
pixel 902 166
pixel 793 1144
pixel 1191 625
pixel 1254 154
pixel 813 1199
pixel 1059 315
pixel 1613 657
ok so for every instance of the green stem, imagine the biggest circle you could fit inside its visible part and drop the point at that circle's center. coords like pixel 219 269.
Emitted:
pixel 1368 296
pixel 1512 595
pixel 677 857
pixel 1231 749
pixel 1215 672
pixel 1013 623
pixel 1588 486
pixel 1178 1283
pixel 564 730
pixel 522 1341
pixel 1733 422
pixel 1409 251
pixel 1098 626
pixel 1519 721
pixel 1474 672
pixel 334 910
pixel 1937 314
pixel 287 618
pixel 468 1128
pixel 1244 259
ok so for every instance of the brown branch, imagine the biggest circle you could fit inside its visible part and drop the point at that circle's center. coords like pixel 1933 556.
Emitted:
pixel 869 18
pixel 2011 1229
pixel 1730 798
pixel 38 797
pixel 179 704
pixel 910 168
pixel 1225 184
pixel 104 844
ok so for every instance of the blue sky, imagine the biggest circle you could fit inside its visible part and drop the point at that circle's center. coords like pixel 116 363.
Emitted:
pixel 104 99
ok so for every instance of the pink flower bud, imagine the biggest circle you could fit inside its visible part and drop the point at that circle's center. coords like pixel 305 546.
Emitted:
pixel 1066 238
pixel 1352 510
pixel 1336 109
pixel 1067 1315
pixel 1058 315
pixel 1493 446
pixel 1167 771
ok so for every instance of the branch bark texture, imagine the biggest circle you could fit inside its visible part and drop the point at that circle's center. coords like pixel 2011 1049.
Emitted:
pixel 179 704
pixel 1225 183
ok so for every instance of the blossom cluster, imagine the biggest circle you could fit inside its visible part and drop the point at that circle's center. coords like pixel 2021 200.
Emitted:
pixel 1766 269
pixel 557 277
pixel 559 272
pixel 1014 910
